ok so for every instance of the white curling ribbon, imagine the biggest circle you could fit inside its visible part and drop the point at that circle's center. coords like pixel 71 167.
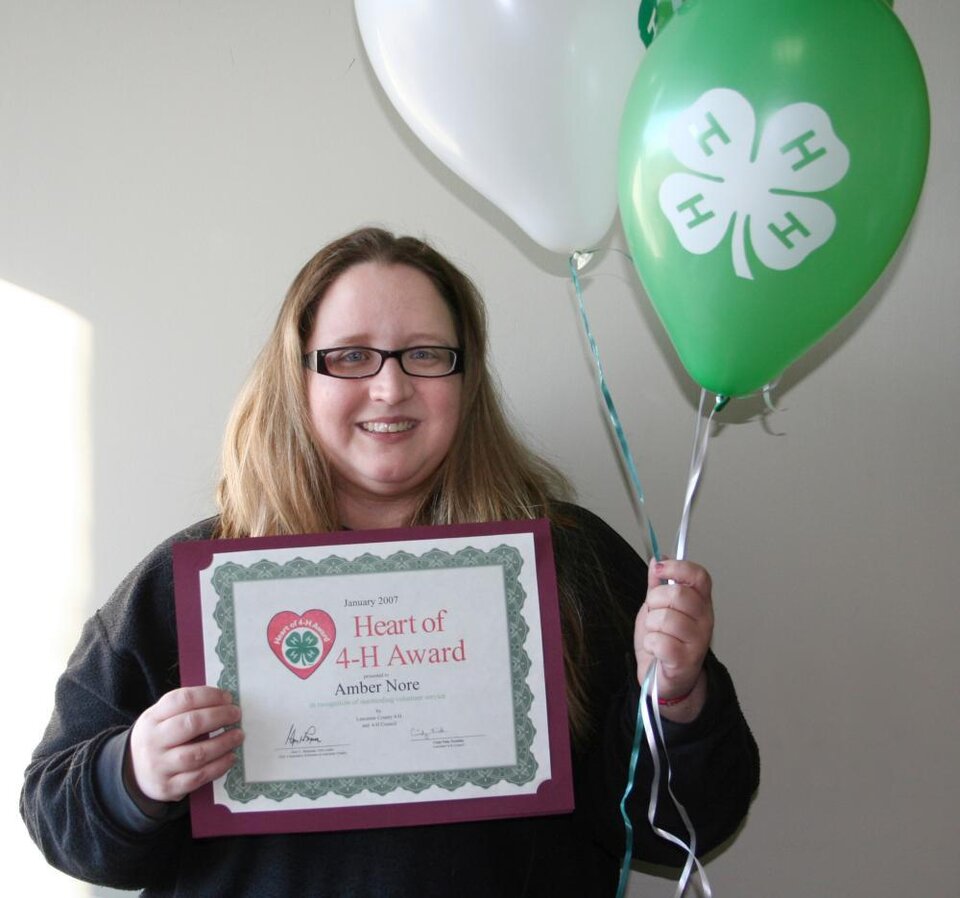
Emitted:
pixel 701 437
pixel 768 399
pixel 651 690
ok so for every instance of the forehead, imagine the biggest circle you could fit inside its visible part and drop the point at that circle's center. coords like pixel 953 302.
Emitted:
pixel 372 301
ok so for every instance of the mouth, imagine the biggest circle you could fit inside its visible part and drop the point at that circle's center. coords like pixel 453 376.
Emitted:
pixel 387 426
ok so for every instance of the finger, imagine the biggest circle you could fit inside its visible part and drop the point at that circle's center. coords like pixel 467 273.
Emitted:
pixel 187 759
pixel 673 655
pixel 188 698
pixel 190 725
pixel 199 754
pixel 686 573
pixel 669 621
pixel 183 783
pixel 682 599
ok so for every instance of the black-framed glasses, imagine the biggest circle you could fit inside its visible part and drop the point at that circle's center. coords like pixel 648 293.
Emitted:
pixel 365 361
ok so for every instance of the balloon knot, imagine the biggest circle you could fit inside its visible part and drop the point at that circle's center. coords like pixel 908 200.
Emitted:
pixel 581 259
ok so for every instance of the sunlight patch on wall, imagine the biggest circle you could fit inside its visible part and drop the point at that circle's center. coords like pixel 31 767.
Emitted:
pixel 45 529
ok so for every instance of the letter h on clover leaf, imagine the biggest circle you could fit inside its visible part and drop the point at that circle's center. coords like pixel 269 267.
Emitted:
pixel 798 154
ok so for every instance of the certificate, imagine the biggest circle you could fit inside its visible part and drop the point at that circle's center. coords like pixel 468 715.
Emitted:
pixel 386 678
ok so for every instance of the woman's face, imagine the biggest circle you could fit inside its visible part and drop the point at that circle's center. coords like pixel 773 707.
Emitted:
pixel 384 435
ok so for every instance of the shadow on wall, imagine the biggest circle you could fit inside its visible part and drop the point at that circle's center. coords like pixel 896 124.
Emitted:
pixel 45 481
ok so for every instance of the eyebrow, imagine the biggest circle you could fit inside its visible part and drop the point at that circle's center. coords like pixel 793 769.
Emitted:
pixel 411 340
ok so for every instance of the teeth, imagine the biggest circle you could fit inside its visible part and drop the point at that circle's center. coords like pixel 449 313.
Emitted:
pixel 380 427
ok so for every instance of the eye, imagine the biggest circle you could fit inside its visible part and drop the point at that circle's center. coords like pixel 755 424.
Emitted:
pixel 351 361
pixel 429 361
pixel 349 355
pixel 425 354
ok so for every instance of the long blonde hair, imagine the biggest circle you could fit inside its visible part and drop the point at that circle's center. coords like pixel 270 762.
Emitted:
pixel 276 479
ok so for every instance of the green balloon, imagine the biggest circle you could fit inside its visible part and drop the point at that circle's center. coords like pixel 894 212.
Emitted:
pixel 771 158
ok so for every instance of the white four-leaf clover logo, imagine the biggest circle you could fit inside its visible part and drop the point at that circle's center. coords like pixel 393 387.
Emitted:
pixel 763 196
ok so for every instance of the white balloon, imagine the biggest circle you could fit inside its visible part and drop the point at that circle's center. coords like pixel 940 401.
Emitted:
pixel 520 98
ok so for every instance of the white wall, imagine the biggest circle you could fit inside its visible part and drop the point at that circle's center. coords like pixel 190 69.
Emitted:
pixel 165 168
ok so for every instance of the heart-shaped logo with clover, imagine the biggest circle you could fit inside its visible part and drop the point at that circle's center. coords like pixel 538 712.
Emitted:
pixel 302 641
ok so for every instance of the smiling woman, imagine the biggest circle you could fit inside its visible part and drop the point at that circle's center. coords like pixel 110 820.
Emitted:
pixel 371 406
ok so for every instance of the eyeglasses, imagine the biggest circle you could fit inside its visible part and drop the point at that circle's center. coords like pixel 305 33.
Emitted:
pixel 365 361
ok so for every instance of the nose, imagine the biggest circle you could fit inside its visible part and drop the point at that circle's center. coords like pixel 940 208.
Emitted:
pixel 391 384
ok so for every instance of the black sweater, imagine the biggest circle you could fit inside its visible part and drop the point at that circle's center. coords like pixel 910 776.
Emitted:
pixel 85 824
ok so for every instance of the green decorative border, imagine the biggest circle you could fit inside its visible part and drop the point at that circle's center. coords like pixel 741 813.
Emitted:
pixel 506 557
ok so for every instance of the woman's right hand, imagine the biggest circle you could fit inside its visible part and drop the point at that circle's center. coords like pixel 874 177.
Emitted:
pixel 169 751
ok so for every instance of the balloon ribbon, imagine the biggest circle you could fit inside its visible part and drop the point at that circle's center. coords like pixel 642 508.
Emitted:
pixel 648 707
pixel 577 261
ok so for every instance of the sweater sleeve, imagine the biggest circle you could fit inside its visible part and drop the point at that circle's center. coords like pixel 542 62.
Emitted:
pixel 73 801
pixel 714 760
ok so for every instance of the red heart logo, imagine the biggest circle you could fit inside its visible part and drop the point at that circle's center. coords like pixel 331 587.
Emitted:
pixel 302 641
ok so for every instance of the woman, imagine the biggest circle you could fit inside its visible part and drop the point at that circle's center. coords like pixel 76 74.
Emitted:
pixel 371 406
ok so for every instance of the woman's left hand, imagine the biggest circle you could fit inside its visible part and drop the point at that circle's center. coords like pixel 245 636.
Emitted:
pixel 674 626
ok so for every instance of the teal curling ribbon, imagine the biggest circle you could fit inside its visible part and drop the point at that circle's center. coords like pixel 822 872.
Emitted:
pixel 624 813
pixel 577 261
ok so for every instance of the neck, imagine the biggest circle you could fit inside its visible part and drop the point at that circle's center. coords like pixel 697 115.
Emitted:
pixel 366 514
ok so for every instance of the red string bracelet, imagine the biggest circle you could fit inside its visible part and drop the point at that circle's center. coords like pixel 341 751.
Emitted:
pixel 676 700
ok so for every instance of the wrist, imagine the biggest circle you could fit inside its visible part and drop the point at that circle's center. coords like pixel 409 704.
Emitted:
pixel 686 706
